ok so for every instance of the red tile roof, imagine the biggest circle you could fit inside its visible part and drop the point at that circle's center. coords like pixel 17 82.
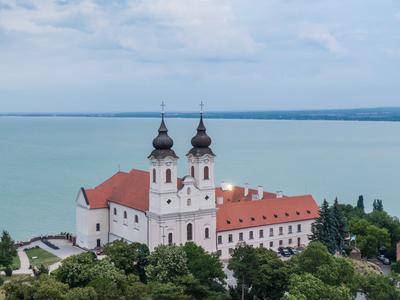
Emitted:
pixel 132 190
pixel 237 194
pixel 265 212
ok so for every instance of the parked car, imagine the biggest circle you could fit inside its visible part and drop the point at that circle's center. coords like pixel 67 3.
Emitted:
pixel 284 252
pixel 292 251
pixel 384 259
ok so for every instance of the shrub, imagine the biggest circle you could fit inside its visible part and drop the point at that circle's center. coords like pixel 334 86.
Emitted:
pixel 8 270
pixel 1 281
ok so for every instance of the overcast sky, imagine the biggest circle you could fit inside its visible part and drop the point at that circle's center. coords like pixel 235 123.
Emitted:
pixel 70 56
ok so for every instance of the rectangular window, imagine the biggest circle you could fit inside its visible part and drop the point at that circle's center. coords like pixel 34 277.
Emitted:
pixel 219 252
pixel 290 229
pixel 298 227
pixel 97 226
pixel 230 250
pixel 230 238
pixel 290 241
pixel 240 236
pixel 271 244
pixel 271 232
pixel 261 245
pixel 251 235
pixel 98 243
pixel 219 239
pixel 261 233
pixel 280 242
pixel 280 230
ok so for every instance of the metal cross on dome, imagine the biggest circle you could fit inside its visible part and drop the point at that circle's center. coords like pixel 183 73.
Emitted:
pixel 201 107
pixel 162 107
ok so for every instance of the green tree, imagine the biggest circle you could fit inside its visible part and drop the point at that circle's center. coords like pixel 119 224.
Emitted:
pixel 378 287
pixel 106 289
pixel 370 238
pixel 167 291
pixel 20 288
pixel 75 270
pixel 340 224
pixel 132 258
pixel 167 264
pixel 306 286
pixel 272 276
pixel 205 267
pixel 323 229
pixel 50 289
pixel 7 249
pixel 360 203
pixel 244 264
pixel 377 205
pixel 87 293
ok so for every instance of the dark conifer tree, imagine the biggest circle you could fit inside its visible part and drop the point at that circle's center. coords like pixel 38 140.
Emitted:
pixel 323 229
pixel 340 225
pixel 377 205
pixel 360 203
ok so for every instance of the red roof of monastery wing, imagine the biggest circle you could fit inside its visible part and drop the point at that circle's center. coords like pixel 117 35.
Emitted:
pixel 129 189
pixel 235 215
pixel 237 194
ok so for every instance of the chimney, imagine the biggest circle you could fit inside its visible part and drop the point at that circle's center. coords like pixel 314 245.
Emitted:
pixel 224 186
pixel 220 200
pixel 246 189
pixel 260 192
pixel 279 194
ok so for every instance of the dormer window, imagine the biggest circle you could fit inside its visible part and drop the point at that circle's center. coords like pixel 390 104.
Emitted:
pixel 189 202
pixel 192 171
pixel 154 176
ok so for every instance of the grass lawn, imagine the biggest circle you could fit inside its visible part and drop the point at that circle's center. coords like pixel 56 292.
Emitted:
pixel 38 256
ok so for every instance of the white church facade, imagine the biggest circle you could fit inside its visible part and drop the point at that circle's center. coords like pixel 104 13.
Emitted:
pixel 158 207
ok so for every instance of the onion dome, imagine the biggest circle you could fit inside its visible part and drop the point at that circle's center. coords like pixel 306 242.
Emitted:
pixel 201 141
pixel 163 143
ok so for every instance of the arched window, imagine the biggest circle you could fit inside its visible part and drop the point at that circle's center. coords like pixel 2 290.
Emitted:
pixel 125 215
pixel 168 176
pixel 188 191
pixel 192 171
pixel 189 232
pixel 189 202
pixel 136 219
pixel 207 233
pixel 170 240
pixel 115 211
pixel 154 176
pixel 206 173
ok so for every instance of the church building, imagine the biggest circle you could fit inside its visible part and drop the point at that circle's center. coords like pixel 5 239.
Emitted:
pixel 156 206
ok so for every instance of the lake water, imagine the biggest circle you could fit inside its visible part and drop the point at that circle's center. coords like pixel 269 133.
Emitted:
pixel 44 161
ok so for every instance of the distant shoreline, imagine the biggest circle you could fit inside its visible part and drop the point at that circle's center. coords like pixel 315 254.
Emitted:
pixel 391 114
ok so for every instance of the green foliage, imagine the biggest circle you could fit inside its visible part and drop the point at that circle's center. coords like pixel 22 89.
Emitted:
pixel 167 291
pixel 395 267
pixel 8 271
pixel 360 203
pixel 259 272
pixel 104 269
pixel 1 281
pixel 205 267
pixel 167 264
pixel 87 293
pixel 20 288
pixel 307 286
pixel 50 289
pixel 377 287
pixel 132 258
pixel 370 238
pixel 7 249
pixel 340 224
pixel 41 270
pixel 105 289
pixel 315 255
pixel 324 228
pixel 75 270
pixel 377 205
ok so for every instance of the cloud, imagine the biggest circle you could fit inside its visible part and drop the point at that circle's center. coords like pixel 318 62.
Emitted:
pixel 323 38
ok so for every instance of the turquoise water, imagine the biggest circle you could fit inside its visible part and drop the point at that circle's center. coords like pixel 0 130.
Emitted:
pixel 44 161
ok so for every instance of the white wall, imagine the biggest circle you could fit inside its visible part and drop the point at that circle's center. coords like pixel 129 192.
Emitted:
pixel 256 241
pixel 127 229
pixel 86 220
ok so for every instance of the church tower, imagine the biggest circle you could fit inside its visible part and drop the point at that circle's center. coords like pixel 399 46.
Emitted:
pixel 201 163
pixel 163 172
